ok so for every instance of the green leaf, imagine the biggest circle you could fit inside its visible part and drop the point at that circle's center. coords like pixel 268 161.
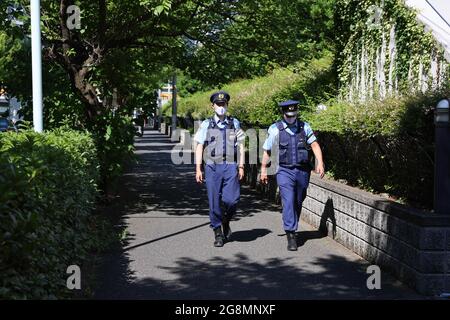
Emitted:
pixel 108 133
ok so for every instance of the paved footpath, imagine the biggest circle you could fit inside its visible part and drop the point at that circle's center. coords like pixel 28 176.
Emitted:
pixel 169 253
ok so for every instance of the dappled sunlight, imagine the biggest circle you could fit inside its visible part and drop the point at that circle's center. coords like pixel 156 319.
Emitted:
pixel 164 254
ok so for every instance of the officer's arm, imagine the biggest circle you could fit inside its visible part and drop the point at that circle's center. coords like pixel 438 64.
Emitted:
pixel 264 162
pixel 200 138
pixel 199 157
pixel 320 168
pixel 266 154
pixel 198 163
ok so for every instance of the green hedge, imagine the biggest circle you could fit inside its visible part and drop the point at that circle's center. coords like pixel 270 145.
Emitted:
pixel 382 146
pixel 113 135
pixel 48 188
pixel 255 101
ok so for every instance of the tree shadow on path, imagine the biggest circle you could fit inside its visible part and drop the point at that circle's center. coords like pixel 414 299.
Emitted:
pixel 242 278
pixel 156 185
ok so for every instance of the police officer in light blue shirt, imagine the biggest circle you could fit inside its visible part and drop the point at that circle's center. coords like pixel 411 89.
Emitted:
pixel 293 139
pixel 220 145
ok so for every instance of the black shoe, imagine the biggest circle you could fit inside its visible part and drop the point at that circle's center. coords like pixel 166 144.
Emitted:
pixel 292 241
pixel 226 228
pixel 219 238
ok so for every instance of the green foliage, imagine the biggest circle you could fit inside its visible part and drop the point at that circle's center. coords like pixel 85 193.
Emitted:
pixel 15 66
pixel 64 108
pixel 62 105
pixel 390 117
pixel 48 188
pixel 164 7
pixel 113 136
pixel 256 101
pixel 188 86
pixel 254 37
pixel 384 147
pixel 358 30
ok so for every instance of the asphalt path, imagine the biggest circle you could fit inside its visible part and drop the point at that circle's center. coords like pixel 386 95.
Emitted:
pixel 168 251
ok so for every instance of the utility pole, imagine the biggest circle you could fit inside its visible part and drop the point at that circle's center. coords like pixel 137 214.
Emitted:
pixel 158 117
pixel 36 58
pixel 174 103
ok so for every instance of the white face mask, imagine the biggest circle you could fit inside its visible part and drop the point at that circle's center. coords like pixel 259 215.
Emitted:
pixel 290 120
pixel 221 110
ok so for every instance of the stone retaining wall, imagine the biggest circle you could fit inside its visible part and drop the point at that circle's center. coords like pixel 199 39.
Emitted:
pixel 411 244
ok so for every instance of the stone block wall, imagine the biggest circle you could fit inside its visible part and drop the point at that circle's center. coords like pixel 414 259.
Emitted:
pixel 412 245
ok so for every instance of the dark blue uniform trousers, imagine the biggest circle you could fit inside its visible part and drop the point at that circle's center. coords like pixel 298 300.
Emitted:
pixel 222 184
pixel 293 184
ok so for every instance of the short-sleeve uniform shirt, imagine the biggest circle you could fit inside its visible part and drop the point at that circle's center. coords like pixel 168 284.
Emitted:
pixel 291 129
pixel 202 133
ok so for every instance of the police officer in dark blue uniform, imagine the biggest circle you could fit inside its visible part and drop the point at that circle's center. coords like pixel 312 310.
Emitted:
pixel 293 139
pixel 220 145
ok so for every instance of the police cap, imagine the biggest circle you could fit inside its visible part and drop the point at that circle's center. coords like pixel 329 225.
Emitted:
pixel 220 96
pixel 289 107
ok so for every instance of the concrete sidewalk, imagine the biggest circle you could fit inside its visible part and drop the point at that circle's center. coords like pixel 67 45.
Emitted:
pixel 169 251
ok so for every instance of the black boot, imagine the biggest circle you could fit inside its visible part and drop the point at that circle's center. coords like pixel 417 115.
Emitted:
pixel 226 228
pixel 219 238
pixel 292 241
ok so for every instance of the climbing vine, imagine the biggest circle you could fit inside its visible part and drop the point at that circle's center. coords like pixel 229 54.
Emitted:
pixel 384 50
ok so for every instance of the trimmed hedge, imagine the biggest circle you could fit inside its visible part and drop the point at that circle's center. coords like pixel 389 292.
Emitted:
pixel 382 146
pixel 48 188
pixel 113 135
pixel 255 102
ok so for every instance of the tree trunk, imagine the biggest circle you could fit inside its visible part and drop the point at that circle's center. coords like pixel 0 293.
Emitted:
pixel 88 95
pixel 79 64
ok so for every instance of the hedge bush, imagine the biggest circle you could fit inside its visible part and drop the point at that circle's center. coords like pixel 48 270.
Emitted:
pixel 255 101
pixel 382 146
pixel 48 188
pixel 113 135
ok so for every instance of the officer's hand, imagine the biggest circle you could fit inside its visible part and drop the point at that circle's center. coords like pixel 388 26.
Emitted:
pixel 199 176
pixel 264 179
pixel 241 173
pixel 320 170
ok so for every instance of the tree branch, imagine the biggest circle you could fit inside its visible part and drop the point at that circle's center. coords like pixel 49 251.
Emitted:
pixel 65 32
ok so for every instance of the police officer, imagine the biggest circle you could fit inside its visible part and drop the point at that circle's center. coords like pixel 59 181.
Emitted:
pixel 292 138
pixel 220 144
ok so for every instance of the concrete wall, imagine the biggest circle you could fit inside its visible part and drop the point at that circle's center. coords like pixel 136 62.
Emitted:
pixel 412 245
